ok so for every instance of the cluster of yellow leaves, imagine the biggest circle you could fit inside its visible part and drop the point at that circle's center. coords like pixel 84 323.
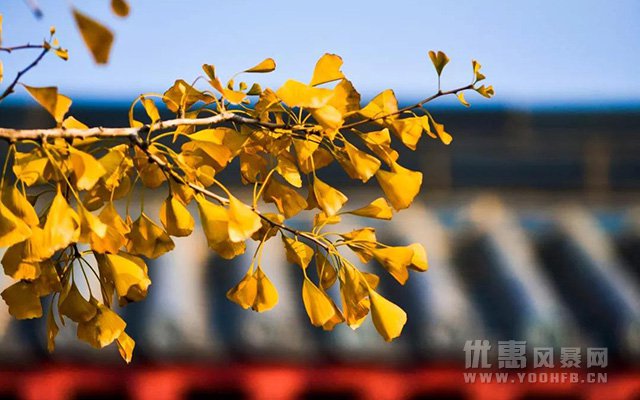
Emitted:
pixel 293 133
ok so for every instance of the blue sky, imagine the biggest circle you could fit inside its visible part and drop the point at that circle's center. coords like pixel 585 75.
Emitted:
pixel 541 52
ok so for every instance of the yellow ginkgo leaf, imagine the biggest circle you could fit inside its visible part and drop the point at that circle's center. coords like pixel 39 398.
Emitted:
pixel 150 173
pixel 62 226
pixel 52 331
pixel 48 281
pixel 327 274
pixel 462 100
pixel 354 294
pixel 380 143
pixel 116 235
pixel 409 130
pixel 395 260
pixel 388 318
pixel 102 329
pixel 116 165
pixel 129 275
pixel 86 169
pixel 400 185
pixel 175 217
pixel 383 105
pixel 243 221
pixel 72 123
pixel 75 306
pixel 181 96
pixel 361 241
pixel 266 65
pixel 288 170
pixel 266 294
pixel 120 8
pixel 232 96
pixel 22 300
pixel 245 292
pixel 215 221
pixel 18 204
pixel 419 260
pixel 298 94
pixel 329 118
pixel 327 70
pixel 345 98
pixel 150 108
pixel 317 303
pixel 32 167
pixel 267 230
pixel 16 266
pixel 320 158
pixel 148 239
pixel 487 91
pixel 321 219
pixel 439 60
pixel 445 137
pixel 92 229
pixel 478 76
pixel 12 228
pixel 56 104
pixel 358 164
pixel 379 208
pixel 297 252
pixel 336 319
pixel 96 36
pixel 329 199
pixel 288 201
pixel 125 346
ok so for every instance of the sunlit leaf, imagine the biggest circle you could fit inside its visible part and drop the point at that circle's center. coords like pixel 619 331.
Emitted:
pixel 266 65
pixel 175 217
pixel 297 252
pixel 379 208
pixel 103 329
pixel 327 70
pixel 96 36
pixel 148 239
pixel 317 303
pixel 125 346
pixel 22 300
pixel 243 221
pixel 439 60
pixel 400 185
pixel 388 318
pixel 383 105
pixel 56 104
pixel 329 199
pixel 298 94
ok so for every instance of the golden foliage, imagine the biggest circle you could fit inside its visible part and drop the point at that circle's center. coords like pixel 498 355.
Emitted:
pixel 282 144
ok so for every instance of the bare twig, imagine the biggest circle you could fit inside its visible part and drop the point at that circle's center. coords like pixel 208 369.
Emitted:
pixel 22 47
pixel 13 84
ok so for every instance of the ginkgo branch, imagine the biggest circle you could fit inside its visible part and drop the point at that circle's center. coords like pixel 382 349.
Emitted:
pixel 439 93
pixel 22 47
pixel 15 81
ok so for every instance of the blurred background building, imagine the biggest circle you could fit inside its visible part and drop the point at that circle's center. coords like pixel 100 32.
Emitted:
pixel 531 218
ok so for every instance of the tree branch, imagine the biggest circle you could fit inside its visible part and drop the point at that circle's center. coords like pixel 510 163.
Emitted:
pixel 13 84
pixel 419 104
pixel 22 47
